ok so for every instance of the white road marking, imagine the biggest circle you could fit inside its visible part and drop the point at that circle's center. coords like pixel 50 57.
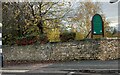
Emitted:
pixel 14 70
pixel 0 24
pixel 0 35
pixel 91 69
pixel 0 50
pixel 0 42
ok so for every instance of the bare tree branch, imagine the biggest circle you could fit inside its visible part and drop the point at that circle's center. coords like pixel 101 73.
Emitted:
pixel 49 8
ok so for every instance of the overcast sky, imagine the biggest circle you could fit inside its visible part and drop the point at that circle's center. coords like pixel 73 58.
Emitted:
pixel 111 12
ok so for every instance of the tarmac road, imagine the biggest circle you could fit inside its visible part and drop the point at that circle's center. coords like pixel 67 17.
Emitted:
pixel 85 67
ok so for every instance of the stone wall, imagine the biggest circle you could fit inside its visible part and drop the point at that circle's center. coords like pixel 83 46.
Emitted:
pixel 77 50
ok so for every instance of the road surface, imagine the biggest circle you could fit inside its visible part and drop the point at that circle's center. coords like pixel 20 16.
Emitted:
pixel 85 67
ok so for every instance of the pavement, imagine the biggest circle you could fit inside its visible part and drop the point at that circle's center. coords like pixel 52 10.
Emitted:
pixel 24 66
pixel 88 67
pixel 21 68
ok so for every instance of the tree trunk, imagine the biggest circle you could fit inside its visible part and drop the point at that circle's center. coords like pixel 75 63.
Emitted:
pixel 40 26
pixel 18 31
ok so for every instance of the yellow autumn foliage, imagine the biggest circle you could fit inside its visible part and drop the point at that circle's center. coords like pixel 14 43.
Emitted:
pixel 53 35
pixel 79 36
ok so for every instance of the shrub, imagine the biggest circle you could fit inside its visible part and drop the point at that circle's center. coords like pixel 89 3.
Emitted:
pixel 43 38
pixel 26 40
pixel 67 36
pixel 79 36
pixel 54 35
